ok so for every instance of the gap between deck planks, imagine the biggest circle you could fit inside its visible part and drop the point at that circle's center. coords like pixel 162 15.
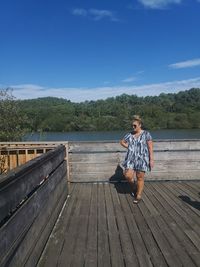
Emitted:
pixel 100 226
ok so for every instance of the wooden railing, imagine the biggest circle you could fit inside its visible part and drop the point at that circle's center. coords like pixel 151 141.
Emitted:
pixel 100 161
pixel 14 154
pixel 31 198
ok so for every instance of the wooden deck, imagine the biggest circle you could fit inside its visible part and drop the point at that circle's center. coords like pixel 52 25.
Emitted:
pixel 100 226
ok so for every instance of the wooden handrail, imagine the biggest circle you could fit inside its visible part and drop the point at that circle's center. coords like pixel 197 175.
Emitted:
pixel 31 198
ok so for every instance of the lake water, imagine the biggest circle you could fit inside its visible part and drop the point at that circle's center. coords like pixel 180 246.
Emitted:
pixel 115 135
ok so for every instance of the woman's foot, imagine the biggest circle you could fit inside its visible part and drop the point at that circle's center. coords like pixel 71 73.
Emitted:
pixel 137 199
pixel 132 194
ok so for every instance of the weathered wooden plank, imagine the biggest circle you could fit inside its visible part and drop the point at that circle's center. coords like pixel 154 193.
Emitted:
pixel 150 246
pixel 186 212
pixel 103 240
pixel 174 165
pixel 154 176
pixel 15 186
pixel 128 250
pixel 194 186
pixel 189 216
pixel 52 251
pixel 177 155
pixel 80 246
pixel 28 143
pixel 92 233
pixel 142 256
pixel 95 146
pixel 90 168
pixel 96 157
pixel 186 188
pixel 114 239
pixel 72 234
pixel 91 177
pixel 162 166
pixel 171 230
pixel 120 156
pixel 170 214
pixel 177 144
pixel 48 225
pixel 13 161
pixel 151 233
pixel 175 222
pixel 19 237
pixel 188 197
pixel 180 144
pixel 178 250
pixel 182 220
pixel 173 160
pixel 167 251
pixel 173 175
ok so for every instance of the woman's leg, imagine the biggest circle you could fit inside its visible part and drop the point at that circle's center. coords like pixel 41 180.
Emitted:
pixel 140 183
pixel 129 175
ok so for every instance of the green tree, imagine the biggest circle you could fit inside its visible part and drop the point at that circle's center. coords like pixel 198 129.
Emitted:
pixel 166 111
pixel 12 119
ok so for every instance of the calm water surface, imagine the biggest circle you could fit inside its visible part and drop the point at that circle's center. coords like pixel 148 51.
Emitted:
pixel 115 135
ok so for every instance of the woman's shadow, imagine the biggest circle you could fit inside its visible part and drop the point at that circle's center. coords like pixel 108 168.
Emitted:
pixel 195 204
pixel 119 181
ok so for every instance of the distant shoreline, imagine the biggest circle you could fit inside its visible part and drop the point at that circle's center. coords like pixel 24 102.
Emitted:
pixel 110 135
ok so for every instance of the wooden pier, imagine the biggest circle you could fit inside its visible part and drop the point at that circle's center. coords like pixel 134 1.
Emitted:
pixel 70 206
pixel 100 226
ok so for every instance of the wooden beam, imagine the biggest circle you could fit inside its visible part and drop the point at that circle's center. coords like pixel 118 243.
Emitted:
pixel 25 233
pixel 20 182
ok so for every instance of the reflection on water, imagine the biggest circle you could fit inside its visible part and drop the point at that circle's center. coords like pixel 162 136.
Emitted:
pixel 115 135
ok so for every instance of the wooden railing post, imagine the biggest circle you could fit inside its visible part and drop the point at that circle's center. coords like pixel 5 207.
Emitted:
pixel 68 167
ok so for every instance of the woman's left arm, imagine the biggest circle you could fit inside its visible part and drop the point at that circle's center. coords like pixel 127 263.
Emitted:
pixel 150 147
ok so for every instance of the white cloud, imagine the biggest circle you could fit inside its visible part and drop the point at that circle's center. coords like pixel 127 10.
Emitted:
pixel 158 4
pixel 95 14
pixel 79 12
pixel 28 87
pixel 130 79
pixel 101 14
pixel 186 64
pixel 133 77
pixel 29 91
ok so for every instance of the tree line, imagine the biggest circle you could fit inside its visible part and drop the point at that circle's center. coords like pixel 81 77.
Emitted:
pixel 166 111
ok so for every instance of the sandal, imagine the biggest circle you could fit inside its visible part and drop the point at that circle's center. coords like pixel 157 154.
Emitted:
pixel 137 200
pixel 132 194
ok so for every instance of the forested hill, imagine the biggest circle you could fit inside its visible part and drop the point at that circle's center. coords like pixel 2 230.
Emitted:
pixel 166 111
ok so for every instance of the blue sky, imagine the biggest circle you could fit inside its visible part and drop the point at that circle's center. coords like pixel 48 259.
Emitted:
pixel 88 50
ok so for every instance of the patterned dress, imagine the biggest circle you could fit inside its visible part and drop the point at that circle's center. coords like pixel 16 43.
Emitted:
pixel 137 157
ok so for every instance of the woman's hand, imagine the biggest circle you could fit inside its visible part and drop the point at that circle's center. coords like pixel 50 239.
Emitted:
pixel 124 143
pixel 150 147
pixel 151 163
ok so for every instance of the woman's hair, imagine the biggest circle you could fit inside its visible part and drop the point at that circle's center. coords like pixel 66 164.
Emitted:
pixel 137 118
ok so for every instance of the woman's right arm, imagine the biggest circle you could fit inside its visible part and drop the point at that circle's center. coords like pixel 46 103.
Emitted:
pixel 124 143
pixel 150 147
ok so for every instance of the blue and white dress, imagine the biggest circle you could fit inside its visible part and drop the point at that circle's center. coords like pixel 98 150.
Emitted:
pixel 137 157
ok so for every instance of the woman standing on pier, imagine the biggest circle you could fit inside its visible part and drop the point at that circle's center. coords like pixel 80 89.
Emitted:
pixel 139 158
